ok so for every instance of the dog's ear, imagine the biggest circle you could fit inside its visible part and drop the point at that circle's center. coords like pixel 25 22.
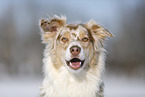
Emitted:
pixel 50 27
pixel 98 32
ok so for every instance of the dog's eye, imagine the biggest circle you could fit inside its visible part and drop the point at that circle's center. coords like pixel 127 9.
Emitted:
pixel 64 39
pixel 85 39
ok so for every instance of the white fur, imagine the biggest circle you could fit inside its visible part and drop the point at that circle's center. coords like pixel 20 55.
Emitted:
pixel 62 83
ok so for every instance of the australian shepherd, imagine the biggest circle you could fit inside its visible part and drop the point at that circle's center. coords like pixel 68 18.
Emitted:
pixel 73 58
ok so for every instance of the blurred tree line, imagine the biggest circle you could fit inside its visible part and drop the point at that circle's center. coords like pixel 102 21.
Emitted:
pixel 20 43
pixel 128 53
pixel 21 51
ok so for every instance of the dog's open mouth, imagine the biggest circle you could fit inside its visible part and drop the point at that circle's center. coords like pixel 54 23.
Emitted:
pixel 75 63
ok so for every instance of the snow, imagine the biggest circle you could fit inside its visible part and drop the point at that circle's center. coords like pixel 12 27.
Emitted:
pixel 121 86
pixel 115 86
pixel 19 87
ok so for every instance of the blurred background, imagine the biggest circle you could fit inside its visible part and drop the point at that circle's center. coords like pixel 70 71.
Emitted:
pixel 21 50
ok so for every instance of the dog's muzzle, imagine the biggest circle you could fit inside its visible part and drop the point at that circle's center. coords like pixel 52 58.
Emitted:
pixel 75 58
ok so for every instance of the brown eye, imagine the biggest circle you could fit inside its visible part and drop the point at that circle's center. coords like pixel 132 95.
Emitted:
pixel 85 39
pixel 64 39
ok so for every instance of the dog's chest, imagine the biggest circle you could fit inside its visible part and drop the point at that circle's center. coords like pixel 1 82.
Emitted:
pixel 65 85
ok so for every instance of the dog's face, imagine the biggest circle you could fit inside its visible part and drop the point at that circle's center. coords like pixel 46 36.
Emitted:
pixel 73 46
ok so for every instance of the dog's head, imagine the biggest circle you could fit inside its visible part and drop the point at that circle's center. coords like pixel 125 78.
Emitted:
pixel 72 45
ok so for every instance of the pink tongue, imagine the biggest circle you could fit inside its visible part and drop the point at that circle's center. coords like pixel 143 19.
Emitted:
pixel 75 65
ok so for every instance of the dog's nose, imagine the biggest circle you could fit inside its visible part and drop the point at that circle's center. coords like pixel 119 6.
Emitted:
pixel 75 50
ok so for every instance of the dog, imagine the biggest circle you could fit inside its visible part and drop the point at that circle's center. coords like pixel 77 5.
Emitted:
pixel 73 58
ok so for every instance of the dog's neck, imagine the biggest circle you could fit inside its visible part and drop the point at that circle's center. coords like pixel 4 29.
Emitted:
pixel 63 82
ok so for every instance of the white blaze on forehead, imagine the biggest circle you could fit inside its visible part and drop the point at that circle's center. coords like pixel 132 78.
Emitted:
pixel 75 33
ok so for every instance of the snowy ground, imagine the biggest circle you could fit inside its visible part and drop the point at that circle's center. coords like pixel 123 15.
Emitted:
pixel 124 87
pixel 19 87
pixel 114 87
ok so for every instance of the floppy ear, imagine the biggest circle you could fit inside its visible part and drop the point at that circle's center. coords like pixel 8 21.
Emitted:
pixel 98 32
pixel 50 27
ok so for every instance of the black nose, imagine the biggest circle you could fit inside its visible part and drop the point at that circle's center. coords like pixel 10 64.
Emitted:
pixel 75 50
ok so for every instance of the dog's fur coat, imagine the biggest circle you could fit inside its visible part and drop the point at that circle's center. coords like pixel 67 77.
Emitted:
pixel 72 80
